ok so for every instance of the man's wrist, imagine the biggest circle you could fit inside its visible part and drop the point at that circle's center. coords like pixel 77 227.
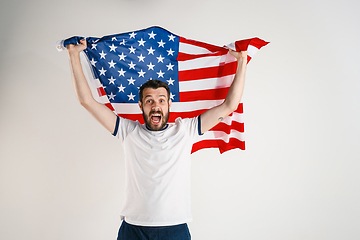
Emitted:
pixel 73 53
pixel 242 61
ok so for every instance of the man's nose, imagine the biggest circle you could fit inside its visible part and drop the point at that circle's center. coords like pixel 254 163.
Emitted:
pixel 155 106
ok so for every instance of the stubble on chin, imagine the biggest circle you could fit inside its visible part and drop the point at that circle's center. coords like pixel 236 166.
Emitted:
pixel 147 120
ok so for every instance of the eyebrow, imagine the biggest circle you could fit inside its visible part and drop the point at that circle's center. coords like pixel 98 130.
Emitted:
pixel 152 96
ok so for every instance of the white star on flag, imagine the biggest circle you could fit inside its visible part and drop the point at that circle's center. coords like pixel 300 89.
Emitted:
pixel 141 73
pixel 172 96
pixel 111 80
pixel 170 81
pixel 131 96
pixel 132 65
pixel 170 66
pixel 141 58
pixel 170 52
pixel 171 37
pixel 113 48
pixel 160 59
pixel 141 42
pixel 151 66
pixel 112 64
pixel 102 54
pixel 160 74
pixel 131 81
pixel 132 35
pixel 161 43
pixel 102 71
pixel 132 50
pixel 121 88
pixel 122 73
pixel 152 35
pixel 151 51
pixel 93 62
pixel 122 57
pixel 111 96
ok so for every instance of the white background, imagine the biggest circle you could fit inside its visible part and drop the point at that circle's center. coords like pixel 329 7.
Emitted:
pixel 61 173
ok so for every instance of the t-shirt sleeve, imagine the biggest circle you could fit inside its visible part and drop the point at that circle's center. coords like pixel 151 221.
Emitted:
pixel 191 125
pixel 116 126
pixel 122 127
pixel 199 125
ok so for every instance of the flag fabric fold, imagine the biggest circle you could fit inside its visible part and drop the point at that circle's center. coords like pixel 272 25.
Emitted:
pixel 198 74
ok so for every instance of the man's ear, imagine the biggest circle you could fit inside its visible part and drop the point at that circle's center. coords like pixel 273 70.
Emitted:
pixel 140 105
pixel 170 102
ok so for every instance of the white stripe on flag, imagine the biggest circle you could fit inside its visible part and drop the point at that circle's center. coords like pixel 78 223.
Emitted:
pixel 231 46
pixel 211 135
pixel 251 51
pixel 237 117
pixel 204 84
pixel 205 62
pixel 192 49
pixel 193 106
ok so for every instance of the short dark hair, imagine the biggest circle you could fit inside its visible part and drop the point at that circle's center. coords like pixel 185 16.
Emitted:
pixel 154 84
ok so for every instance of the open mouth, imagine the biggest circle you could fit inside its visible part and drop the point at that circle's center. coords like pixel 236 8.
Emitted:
pixel 156 118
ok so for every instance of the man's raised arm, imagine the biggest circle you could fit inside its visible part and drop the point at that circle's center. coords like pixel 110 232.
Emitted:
pixel 215 115
pixel 103 114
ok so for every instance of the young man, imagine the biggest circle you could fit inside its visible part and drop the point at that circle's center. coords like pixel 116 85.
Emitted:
pixel 157 154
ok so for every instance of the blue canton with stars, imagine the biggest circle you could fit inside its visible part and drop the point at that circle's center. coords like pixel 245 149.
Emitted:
pixel 123 62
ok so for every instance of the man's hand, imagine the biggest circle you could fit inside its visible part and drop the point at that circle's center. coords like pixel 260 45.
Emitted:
pixel 242 55
pixel 77 48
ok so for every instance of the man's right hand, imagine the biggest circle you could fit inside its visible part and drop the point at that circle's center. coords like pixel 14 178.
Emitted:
pixel 77 48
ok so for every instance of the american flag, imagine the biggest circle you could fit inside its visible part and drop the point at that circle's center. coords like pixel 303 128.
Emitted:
pixel 198 74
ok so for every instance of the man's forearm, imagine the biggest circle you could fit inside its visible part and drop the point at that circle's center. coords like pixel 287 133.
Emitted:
pixel 236 89
pixel 81 86
pixel 101 113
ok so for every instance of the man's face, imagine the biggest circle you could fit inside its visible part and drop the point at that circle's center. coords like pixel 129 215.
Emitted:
pixel 155 107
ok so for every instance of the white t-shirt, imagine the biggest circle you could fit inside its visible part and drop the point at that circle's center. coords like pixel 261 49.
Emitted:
pixel 157 171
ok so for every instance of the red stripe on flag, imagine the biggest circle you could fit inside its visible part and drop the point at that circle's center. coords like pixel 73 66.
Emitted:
pixel 209 72
pixel 209 94
pixel 240 108
pixel 134 117
pixel 242 45
pixel 110 106
pixel 101 91
pixel 223 146
pixel 227 128
pixel 175 115
pixel 256 42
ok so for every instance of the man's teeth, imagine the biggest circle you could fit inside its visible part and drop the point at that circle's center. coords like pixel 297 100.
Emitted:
pixel 156 118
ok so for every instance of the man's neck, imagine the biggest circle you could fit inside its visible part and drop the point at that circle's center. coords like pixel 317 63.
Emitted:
pixel 147 127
